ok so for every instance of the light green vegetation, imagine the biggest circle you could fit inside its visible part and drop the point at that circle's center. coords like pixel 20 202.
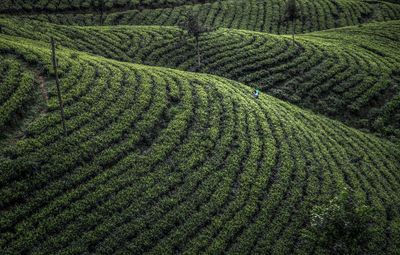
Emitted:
pixel 160 160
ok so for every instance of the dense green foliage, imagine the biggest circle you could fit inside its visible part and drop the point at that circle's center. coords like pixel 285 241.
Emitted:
pixel 256 15
pixel 350 73
pixel 193 28
pixel 159 160
pixel 17 84
pixel 343 226
pixel 291 13
pixel 21 6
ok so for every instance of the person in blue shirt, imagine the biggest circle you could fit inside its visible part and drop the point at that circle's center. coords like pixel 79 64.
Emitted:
pixel 257 93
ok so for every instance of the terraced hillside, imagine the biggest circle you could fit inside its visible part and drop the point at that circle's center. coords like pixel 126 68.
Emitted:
pixel 256 15
pixel 17 84
pixel 159 160
pixel 164 157
pixel 351 73
pixel 46 6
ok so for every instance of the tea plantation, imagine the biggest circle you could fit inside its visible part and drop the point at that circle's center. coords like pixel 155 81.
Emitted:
pixel 351 74
pixel 255 15
pixel 161 156
pixel 36 6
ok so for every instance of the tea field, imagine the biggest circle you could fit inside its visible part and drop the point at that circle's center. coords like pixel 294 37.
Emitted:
pixel 255 15
pixel 351 74
pixel 161 156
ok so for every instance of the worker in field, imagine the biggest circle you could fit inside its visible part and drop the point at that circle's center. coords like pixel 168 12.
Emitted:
pixel 257 93
pixel 258 90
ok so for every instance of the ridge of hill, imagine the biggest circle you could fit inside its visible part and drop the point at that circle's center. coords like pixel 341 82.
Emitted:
pixel 350 73
pixel 161 160
pixel 65 6
pixel 255 15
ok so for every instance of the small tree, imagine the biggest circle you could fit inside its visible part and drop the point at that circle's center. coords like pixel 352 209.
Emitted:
pixel 291 14
pixel 195 29
pixel 342 226
pixel 101 10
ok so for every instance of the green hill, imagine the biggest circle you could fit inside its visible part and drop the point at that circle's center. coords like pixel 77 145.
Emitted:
pixel 17 84
pixel 161 156
pixel 351 73
pixel 160 160
pixel 27 6
pixel 256 15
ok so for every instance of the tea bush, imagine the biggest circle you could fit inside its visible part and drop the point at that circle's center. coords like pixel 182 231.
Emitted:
pixel 159 160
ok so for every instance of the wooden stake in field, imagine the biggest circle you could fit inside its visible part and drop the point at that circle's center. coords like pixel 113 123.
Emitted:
pixel 54 61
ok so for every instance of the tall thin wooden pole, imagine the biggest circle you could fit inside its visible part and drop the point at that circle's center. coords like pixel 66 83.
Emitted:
pixel 54 60
pixel 198 52
pixel 293 30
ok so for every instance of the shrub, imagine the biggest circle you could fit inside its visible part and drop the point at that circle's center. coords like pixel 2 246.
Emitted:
pixel 342 226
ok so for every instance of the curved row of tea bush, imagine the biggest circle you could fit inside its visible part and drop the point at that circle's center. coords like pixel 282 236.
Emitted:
pixel 46 6
pixel 164 161
pixel 255 15
pixel 17 84
pixel 350 73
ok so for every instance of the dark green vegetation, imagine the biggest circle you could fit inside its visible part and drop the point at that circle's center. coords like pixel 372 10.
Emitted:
pixel 160 160
pixel 148 145
pixel 17 84
pixel 343 226
pixel 255 15
pixel 350 73
pixel 193 28
pixel 43 6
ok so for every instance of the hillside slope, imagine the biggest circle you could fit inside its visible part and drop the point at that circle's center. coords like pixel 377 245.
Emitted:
pixel 350 73
pixel 164 161
pixel 29 6
pixel 255 15
pixel 17 84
